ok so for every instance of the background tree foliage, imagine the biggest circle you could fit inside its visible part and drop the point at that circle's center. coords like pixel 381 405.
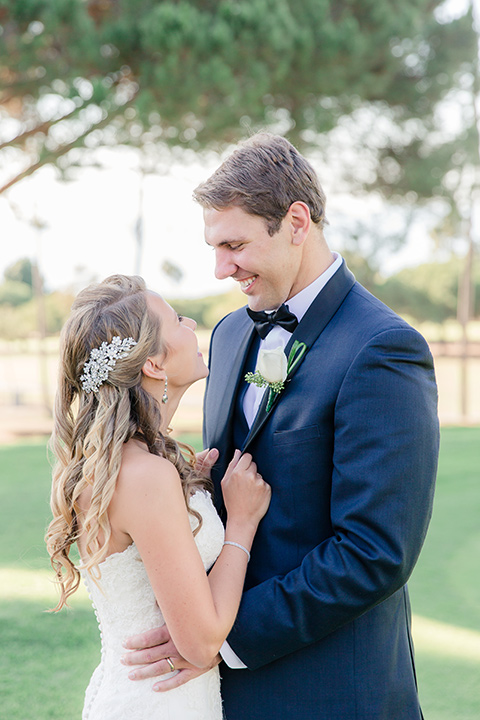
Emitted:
pixel 364 84
pixel 17 286
pixel 82 73
pixel 19 307
pixel 426 292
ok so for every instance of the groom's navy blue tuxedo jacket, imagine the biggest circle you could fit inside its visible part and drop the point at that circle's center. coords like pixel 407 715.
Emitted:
pixel 350 451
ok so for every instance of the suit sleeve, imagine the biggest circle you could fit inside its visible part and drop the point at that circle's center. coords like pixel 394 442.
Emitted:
pixel 384 466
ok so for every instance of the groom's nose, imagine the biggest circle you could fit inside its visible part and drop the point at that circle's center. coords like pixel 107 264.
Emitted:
pixel 224 265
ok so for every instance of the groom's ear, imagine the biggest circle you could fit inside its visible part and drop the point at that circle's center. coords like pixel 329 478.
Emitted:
pixel 153 369
pixel 300 221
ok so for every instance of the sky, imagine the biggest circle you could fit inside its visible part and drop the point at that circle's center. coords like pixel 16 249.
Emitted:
pixel 87 226
pixel 88 223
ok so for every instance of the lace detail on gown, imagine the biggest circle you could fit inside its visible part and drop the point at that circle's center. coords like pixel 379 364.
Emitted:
pixel 125 605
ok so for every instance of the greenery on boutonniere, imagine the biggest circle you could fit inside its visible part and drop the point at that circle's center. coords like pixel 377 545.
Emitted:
pixel 273 369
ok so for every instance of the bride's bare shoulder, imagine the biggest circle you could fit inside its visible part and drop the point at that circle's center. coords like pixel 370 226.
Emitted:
pixel 142 469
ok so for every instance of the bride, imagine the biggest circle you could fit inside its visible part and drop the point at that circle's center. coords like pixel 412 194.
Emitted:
pixel 139 510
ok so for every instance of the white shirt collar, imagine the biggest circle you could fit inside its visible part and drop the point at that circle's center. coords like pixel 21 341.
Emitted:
pixel 278 336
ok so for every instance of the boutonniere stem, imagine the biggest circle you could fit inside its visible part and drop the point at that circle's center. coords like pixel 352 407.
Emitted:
pixel 273 369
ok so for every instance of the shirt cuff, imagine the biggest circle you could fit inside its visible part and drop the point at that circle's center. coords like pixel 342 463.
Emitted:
pixel 231 658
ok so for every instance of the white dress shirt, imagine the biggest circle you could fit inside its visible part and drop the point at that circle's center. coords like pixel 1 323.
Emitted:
pixel 278 336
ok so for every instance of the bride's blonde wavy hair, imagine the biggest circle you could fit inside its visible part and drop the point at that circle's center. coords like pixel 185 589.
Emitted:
pixel 90 429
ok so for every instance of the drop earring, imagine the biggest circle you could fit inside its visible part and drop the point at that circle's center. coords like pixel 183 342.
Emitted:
pixel 165 396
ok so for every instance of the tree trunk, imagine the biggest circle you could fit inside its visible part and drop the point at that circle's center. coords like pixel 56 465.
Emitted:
pixel 464 313
pixel 42 334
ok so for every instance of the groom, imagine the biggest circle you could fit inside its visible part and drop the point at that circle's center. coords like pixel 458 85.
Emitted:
pixel 349 448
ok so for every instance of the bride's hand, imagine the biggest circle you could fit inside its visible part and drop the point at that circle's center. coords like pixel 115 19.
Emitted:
pixel 245 492
pixel 148 658
pixel 205 460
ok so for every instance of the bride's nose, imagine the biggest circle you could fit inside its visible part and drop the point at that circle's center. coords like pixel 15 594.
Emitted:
pixel 190 323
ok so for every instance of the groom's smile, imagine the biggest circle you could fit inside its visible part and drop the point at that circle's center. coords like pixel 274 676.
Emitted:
pixel 265 266
pixel 247 283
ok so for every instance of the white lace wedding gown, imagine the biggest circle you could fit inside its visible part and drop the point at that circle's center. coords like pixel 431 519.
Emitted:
pixel 125 605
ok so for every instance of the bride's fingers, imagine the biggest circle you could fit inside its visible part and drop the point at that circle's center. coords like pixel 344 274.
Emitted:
pixel 162 667
pixel 206 459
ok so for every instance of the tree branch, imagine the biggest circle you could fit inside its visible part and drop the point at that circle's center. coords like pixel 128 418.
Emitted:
pixel 43 127
pixel 64 149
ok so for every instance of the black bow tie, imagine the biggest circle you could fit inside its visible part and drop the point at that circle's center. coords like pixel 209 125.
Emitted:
pixel 265 321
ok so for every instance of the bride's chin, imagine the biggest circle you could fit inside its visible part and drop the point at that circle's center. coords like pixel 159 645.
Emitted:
pixel 203 372
pixel 201 375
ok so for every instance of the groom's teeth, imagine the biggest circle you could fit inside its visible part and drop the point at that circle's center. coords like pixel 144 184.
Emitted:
pixel 244 284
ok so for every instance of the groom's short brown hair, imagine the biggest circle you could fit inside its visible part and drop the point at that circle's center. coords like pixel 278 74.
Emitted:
pixel 264 176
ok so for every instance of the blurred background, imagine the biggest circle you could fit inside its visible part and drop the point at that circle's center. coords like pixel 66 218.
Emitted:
pixel 111 112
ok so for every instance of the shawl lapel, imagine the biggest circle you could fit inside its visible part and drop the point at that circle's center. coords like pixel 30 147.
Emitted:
pixel 318 315
pixel 233 356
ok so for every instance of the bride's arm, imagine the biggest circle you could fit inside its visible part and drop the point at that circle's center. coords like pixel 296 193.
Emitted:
pixel 149 506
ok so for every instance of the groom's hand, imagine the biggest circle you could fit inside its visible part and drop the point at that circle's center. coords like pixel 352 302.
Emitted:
pixel 148 654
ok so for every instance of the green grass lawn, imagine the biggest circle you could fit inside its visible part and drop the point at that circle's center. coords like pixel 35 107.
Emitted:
pixel 445 586
pixel 46 659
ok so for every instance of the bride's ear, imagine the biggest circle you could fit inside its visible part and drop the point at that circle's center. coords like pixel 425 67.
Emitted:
pixel 153 369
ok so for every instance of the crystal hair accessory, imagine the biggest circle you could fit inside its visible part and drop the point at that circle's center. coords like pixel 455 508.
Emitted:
pixel 102 360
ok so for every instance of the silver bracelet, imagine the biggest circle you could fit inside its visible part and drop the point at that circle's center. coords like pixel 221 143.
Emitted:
pixel 229 542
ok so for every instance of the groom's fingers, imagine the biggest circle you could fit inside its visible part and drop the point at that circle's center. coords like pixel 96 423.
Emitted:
pixel 184 676
pixel 180 678
pixel 149 639
pixel 150 656
pixel 154 669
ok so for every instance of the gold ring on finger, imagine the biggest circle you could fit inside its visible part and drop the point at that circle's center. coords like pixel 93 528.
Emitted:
pixel 170 663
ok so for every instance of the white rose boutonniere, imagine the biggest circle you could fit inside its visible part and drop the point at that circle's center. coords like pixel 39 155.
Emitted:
pixel 272 365
pixel 273 369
